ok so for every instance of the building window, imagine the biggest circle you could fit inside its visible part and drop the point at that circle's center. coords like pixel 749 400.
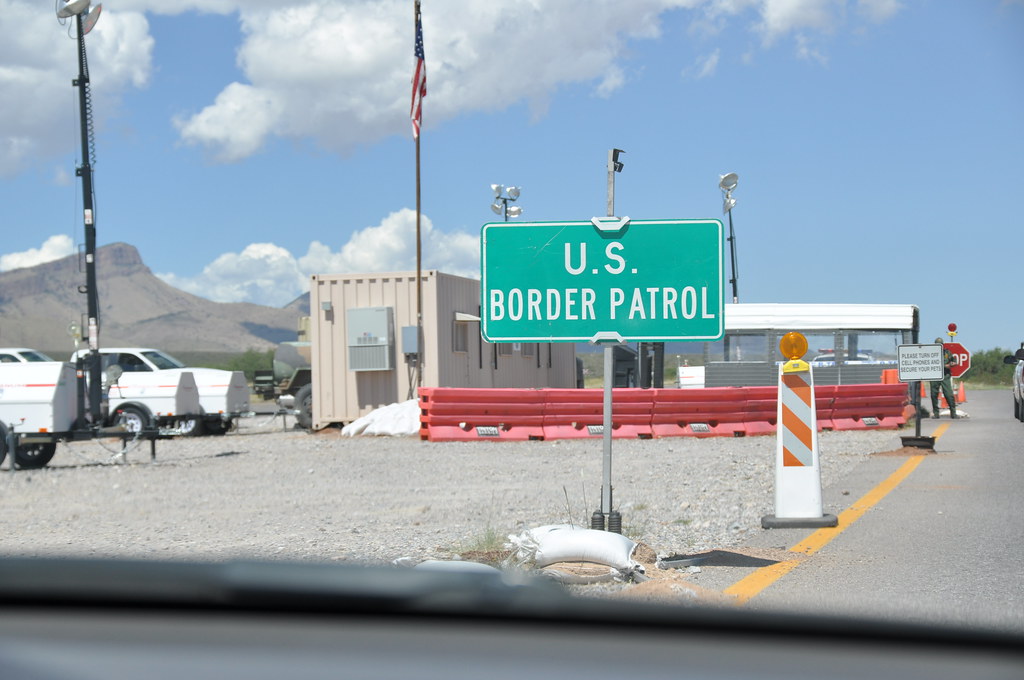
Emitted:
pixel 460 336
pixel 504 349
pixel 528 349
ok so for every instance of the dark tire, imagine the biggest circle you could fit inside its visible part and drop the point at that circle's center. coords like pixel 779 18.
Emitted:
pixel 35 456
pixel 192 427
pixel 304 406
pixel 134 418
pixel 217 428
pixel 3 442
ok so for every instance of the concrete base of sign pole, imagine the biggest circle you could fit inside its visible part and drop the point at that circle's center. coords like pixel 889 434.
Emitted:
pixel 773 522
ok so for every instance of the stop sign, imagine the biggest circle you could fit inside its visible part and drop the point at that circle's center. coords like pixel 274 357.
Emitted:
pixel 961 359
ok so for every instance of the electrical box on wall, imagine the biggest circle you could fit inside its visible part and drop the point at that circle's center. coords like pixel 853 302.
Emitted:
pixel 371 338
pixel 410 340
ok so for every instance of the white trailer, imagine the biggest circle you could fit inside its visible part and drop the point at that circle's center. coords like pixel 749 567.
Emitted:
pixel 38 404
pixel 223 395
pixel 164 400
pixel 39 407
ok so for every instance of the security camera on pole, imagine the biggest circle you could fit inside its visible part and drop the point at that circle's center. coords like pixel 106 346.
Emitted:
pixel 797 474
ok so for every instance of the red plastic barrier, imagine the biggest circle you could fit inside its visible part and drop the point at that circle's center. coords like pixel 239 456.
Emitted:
pixel 762 405
pixel 575 413
pixel 465 414
pixel 866 407
pixel 707 412
pixel 824 406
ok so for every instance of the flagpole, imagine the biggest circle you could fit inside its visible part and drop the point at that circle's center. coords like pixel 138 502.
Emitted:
pixel 419 245
pixel 419 278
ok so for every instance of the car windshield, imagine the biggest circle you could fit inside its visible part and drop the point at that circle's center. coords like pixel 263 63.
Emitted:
pixel 162 360
pixel 636 298
pixel 32 355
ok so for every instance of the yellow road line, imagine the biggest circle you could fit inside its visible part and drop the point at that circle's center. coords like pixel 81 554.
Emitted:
pixel 753 584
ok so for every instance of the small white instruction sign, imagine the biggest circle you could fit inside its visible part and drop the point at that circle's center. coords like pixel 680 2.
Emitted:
pixel 919 362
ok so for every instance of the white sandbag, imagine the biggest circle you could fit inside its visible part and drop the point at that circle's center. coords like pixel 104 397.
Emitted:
pixel 558 543
pixel 524 546
pixel 578 574
pixel 399 419
pixel 462 566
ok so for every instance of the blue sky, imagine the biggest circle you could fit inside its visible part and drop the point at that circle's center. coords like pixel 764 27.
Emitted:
pixel 243 146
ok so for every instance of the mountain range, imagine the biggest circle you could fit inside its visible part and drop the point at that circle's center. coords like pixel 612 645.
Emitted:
pixel 38 304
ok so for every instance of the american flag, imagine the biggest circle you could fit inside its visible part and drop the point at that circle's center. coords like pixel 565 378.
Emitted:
pixel 419 79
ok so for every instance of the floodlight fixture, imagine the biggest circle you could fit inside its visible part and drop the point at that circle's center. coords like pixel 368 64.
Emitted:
pixel 70 9
pixel 89 19
pixel 727 183
pixel 502 197
pixel 616 164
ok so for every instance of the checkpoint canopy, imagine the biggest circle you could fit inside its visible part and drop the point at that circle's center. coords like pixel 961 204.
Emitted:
pixel 607 279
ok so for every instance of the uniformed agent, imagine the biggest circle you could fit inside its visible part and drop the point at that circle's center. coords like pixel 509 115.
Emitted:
pixel 946 384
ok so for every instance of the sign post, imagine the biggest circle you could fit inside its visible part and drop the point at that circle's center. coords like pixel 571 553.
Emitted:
pixel 917 364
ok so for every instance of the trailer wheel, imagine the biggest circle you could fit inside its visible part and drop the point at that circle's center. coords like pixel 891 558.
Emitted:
pixel 35 456
pixel 3 442
pixel 304 406
pixel 216 427
pixel 134 418
pixel 191 427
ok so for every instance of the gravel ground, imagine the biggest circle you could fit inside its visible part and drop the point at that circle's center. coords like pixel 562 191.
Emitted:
pixel 267 493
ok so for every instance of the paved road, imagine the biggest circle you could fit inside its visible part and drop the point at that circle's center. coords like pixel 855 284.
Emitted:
pixel 946 545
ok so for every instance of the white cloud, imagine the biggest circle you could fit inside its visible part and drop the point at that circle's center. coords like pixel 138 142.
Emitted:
pixel 262 273
pixel 704 67
pixel 879 10
pixel 782 17
pixel 54 248
pixel 268 274
pixel 236 125
pixel 37 62
pixel 337 72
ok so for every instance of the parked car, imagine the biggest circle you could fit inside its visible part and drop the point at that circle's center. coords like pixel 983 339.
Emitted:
pixel 223 395
pixel 14 355
pixel 1017 358
pixel 826 356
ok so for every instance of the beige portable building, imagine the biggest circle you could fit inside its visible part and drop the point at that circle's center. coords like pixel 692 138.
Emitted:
pixel 363 337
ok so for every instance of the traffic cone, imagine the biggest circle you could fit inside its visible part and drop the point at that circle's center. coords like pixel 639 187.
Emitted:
pixel 961 395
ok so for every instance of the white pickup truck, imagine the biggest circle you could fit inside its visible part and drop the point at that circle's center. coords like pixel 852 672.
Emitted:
pixel 223 395
pixel 17 355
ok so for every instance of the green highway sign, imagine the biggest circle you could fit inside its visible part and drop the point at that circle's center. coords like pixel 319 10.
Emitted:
pixel 609 279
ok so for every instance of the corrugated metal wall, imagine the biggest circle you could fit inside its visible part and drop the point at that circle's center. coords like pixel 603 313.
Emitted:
pixel 341 395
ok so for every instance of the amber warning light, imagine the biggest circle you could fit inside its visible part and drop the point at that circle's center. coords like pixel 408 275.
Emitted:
pixel 793 345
